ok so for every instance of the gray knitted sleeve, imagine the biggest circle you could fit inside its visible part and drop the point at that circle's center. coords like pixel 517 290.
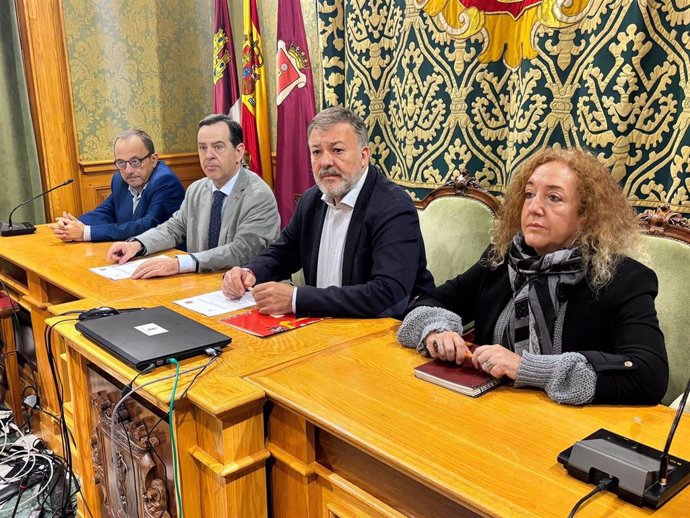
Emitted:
pixel 567 378
pixel 424 320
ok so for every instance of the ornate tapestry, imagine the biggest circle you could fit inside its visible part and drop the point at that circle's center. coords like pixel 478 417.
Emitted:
pixel 482 84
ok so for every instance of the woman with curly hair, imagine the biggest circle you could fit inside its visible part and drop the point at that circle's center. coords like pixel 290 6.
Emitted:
pixel 556 294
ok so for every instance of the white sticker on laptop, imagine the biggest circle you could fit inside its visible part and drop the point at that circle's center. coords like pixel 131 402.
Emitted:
pixel 151 329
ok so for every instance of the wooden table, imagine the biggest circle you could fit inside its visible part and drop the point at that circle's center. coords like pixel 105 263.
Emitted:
pixel 39 270
pixel 44 270
pixel 355 434
pixel 220 424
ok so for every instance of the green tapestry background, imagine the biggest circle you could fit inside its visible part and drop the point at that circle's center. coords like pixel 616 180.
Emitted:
pixel 443 87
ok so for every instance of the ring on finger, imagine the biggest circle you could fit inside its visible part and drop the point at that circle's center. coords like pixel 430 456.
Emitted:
pixel 488 365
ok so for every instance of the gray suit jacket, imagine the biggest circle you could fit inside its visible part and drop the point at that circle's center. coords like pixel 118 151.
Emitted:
pixel 250 223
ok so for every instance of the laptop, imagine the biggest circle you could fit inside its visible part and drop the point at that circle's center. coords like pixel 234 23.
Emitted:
pixel 151 336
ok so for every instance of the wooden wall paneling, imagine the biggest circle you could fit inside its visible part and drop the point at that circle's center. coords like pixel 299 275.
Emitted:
pixel 42 33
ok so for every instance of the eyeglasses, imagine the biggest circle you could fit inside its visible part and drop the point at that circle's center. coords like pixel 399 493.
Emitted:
pixel 134 162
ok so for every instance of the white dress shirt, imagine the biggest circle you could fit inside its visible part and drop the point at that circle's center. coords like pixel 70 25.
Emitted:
pixel 329 270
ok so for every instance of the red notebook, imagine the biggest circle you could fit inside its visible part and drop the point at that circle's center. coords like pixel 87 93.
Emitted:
pixel 460 378
pixel 257 324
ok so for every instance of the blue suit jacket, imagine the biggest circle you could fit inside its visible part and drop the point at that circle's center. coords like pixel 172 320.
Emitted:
pixel 384 262
pixel 113 219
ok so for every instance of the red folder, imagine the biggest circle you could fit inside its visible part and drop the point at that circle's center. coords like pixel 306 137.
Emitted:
pixel 257 324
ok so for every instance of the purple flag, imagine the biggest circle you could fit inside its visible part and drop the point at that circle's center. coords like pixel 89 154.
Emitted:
pixel 226 90
pixel 296 108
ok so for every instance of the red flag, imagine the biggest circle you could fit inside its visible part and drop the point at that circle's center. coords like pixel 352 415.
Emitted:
pixel 296 108
pixel 226 90
pixel 257 133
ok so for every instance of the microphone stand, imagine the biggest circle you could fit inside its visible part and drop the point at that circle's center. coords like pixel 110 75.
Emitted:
pixel 25 227
pixel 663 467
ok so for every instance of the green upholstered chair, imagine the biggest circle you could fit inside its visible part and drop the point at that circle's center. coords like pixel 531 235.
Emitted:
pixel 455 220
pixel 297 278
pixel 676 404
pixel 667 244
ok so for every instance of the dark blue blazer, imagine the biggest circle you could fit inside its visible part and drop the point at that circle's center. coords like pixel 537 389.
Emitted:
pixel 113 219
pixel 384 262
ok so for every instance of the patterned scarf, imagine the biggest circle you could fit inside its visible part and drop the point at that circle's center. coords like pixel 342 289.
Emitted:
pixel 537 294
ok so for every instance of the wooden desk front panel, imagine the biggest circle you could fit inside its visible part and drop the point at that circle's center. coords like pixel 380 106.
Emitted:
pixel 221 457
pixel 493 456
pixel 220 423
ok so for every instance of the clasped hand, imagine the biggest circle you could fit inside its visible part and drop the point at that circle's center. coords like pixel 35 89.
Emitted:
pixel 68 228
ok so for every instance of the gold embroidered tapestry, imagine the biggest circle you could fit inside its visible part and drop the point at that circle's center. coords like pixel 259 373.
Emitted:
pixel 482 84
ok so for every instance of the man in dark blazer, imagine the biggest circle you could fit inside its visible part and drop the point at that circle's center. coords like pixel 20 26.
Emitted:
pixel 355 234
pixel 144 193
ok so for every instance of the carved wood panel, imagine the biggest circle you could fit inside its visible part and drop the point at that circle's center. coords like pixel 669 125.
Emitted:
pixel 137 481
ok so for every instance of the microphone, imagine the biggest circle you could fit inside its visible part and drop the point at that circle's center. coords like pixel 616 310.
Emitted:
pixel 640 474
pixel 663 465
pixel 8 229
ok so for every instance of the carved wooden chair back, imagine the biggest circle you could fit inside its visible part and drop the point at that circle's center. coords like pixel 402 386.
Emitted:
pixel 455 220
pixel 667 246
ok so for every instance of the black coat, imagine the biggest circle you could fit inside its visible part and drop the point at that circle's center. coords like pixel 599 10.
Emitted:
pixel 616 329
pixel 384 262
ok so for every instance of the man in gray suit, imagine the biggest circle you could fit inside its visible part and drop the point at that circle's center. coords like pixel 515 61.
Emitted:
pixel 225 219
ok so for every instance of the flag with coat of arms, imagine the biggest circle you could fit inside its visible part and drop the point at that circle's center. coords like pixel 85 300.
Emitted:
pixel 226 90
pixel 296 108
pixel 257 136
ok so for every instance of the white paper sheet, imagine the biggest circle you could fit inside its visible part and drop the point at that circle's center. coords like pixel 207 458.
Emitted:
pixel 215 303
pixel 117 272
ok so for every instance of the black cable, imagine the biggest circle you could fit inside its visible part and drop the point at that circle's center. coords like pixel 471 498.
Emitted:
pixel 208 364
pixel 160 420
pixel 603 485
pixel 22 487
pixel 128 388
pixel 160 459
pixel 184 393
pixel 54 417
pixel 59 391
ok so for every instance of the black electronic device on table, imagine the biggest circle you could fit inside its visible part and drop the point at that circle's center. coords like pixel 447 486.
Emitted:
pixel 151 336
pixel 640 474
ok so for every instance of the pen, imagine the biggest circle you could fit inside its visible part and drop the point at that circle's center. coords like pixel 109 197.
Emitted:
pixel 468 353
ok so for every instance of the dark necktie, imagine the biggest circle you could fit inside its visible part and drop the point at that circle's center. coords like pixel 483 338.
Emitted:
pixel 216 217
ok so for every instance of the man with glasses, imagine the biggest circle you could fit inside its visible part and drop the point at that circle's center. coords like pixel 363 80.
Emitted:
pixel 144 193
pixel 225 219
